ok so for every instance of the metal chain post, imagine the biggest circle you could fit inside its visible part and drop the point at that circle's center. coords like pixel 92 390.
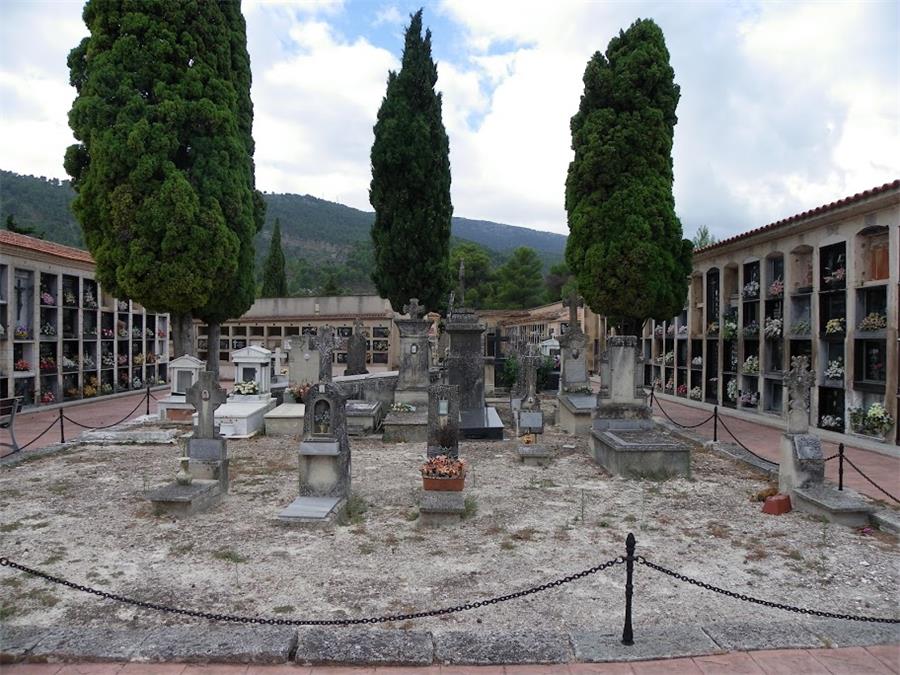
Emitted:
pixel 148 398
pixel 62 427
pixel 715 424
pixel 840 466
pixel 627 632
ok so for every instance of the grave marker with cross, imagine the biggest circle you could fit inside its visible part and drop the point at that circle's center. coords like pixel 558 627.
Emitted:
pixel 415 311
pixel 326 343
pixel 206 396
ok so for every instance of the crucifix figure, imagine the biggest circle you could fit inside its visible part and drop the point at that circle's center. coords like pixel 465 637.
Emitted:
pixel 462 283
pixel 326 343
pixel 20 290
pixel 206 395
pixel 413 309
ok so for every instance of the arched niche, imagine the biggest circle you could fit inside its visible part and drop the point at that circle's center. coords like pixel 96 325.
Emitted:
pixel 800 270
pixel 872 253
pixel 730 284
pixel 774 273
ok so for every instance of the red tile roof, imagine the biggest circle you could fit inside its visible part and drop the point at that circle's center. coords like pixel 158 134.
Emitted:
pixel 41 246
pixel 846 201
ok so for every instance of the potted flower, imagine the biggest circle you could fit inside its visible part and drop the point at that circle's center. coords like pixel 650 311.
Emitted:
pixel 832 422
pixel 776 288
pixel 751 330
pixel 47 397
pixel 871 421
pixel 682 390
pixel 47 299
pixel 696 394
pixel 22 366
pixel 801 327
pixel 834 326
pixel 874 321
pixel 443 473
pixel 22 332
pixel 835 369
pixel 299 391
pixel 750 366
pixel 772 328
pixel 751 290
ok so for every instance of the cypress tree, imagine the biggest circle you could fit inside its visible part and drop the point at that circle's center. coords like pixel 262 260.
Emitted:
pixel 625 245
pixel 163 169
pixel 274 279
pixel 410 189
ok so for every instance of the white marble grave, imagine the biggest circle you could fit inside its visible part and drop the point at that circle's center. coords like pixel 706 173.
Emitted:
pixel 183 372
pixel 243 415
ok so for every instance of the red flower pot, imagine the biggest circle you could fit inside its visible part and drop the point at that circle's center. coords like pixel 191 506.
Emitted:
pixel 444 484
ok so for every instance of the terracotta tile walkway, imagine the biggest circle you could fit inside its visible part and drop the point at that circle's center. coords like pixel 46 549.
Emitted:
pixel 883 660
pixel 766 442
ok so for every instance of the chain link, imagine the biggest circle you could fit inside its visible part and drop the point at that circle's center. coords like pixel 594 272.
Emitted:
pixel 725 426
pixel 765 603
pixel 109 426
pixel 874 484
pixel 4 562
pixel 679 424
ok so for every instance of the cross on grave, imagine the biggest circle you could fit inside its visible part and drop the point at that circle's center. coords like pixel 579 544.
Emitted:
pixel 462 282
pixel 326 343
pixel 798 380
pixel 573 302
pixel 279 357
pixel 413 309
pixel 206 396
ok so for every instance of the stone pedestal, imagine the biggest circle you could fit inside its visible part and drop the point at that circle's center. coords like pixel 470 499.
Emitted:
pixel 576 412
pixel 185 500
pixel 412 385
pixel 438 508
pixel 363 417
pixel 285 420
pixel 405 427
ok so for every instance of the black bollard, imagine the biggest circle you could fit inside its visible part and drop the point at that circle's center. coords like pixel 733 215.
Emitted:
pixel 715 424
pixel 627 633
pixel 62 427
pixel 148 398
pixel 840 466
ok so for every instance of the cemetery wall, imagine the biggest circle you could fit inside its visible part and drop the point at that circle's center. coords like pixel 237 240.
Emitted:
pixel 824 284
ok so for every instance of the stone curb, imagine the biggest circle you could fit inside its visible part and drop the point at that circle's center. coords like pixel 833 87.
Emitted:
pixel 204 643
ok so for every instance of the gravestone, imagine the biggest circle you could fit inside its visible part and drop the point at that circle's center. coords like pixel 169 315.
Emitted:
pixel 801 472
pixel 356 351
pixel 529 417
pixel 465 369
pixel 324 458
pixel 243 415
pixel 326 343
pixel 624 439
pixel 303 362
pixel 204 476
pixel 183 372
pixel 574 376
pixel 411 424
pixel 443 420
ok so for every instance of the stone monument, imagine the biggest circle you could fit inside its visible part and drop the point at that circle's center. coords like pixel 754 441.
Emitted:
pixel 407 421
pixel 465 369
pixel 529 417
pixel 243 415
pixel 326 343
pixel 356 351
pixel 203 478
pixel 324 458
pixel 303 362
pixel 443 420
pixel 801 473
pixel 574 376
pixel 624 439
pixel 183 372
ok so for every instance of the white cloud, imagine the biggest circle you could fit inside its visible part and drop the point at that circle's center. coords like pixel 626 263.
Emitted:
pixel 388 15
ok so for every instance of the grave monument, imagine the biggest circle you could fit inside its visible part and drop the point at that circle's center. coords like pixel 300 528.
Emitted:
pixel 243 415
pixel 624 439
pixel 324 459
pixel 801 473
pixel 183 372
pixel 443 420
pixel 303 361
pixel 326 343
pixel 407 421
pixel 576 400
pixel 356 351
pixel 529 417
pixel 203 478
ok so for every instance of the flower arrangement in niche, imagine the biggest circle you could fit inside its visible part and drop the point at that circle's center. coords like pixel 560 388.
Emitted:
pixel 713 328
pixel 88 300
pixel 107 360
pixel 697 361
pixel 749 399
pixel 750 366
pixel 670 386
pixel 138 360
pixel 801 327
pixel 123 332
pixel 89 363
pixel 696 394
pixel 69 363
pixel 137 383
pixel 873 321
pixel 47 299
pixel 772 328
pixel 658 331
pixel 682 390
pixel 835 369
pixel 729 329
pixel 776 288
pixel 834 326
pixel 90 332
pixel 402 407
pixel 751 330
pixel 160 333
pixel 150 358
pixel 122 359
pixel 107 333
pixel 247 388
pixel 836 275
pixel 122 305
pixel 106 388
pixel 90 389
pixel 47 397
pixel 670 330
pixel 22 332
pixel 873 421
pixel 148 332
pixel 22 365
pixel 751 289
pixel 47 363
pixel 831 422
pixel 731 390
pixel 70 299
pixel 682 330
pixel 137 332
pixel 48 329
pixel 669 358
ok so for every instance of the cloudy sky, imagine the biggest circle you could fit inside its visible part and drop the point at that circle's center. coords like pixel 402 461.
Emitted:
pixel 784 106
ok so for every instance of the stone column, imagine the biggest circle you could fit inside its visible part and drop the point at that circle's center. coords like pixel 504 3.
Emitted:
pixel 415 360
pixel 466 367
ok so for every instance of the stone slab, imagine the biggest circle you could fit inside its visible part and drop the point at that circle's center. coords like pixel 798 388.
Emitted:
pixel 130 437
pixel 649 643
pixel 88 644
pixel 437 501
pixel 311 510
pixel 405 427
pixel 534 455
pixel 745 636
pixel 287 411
pixel 578 402
pixel 531 422
pixel 17 641
pixel 320 448
pixel 839 633
pixel 842 507
pixel 483 424
pixel 886 520
pixel 358 647
pixel 622 454
pixel 207 448
pixel 233 644
pixel 576 423
pixel 184 500
pixel 501 647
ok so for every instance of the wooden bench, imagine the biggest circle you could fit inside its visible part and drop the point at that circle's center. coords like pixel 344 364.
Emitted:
pixel 8 409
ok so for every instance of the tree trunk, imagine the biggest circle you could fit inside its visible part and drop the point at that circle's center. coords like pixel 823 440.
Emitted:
pixel 182 334
pixel 212 355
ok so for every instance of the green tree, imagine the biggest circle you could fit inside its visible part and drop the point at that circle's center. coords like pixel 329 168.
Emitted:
pixel 331 286
pixel 519 280
pixel 274 279
pixel 479 274
pixel 703 237
pixel 410 189
pixel 13 226
pixel 625 245
pixel 556 280
pixel 163 170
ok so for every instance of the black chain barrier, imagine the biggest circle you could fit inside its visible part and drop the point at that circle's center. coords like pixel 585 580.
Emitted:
pixel 736 440
pixel 231 618
pixel 669 417
pixel 33 440
pixel 874 484
pixel 109 426
pixel 765 603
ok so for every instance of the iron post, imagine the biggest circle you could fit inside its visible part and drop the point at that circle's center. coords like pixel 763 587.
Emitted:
pixel 148 398
pixel 840 466
pixel 715 424
pixel 62 427
pixel 627 633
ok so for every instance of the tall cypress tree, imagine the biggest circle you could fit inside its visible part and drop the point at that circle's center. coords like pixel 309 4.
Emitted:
pixel 274 279
pixel 163 169
pixel 625 245
pixel 410 189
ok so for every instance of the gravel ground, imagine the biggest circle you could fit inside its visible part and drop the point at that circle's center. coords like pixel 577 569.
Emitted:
pixel 82 516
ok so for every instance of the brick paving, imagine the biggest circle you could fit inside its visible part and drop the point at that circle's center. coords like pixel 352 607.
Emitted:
pixel 881 660
pixel 765 441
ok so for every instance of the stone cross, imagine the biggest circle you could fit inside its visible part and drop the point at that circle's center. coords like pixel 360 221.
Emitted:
pixel 206 395
pixel 573 302
pixel 462 282
pixel 450 304
pixel 326 343
pixel 798 380
pixel 414 310
pixel 279 357
pixel 531 362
